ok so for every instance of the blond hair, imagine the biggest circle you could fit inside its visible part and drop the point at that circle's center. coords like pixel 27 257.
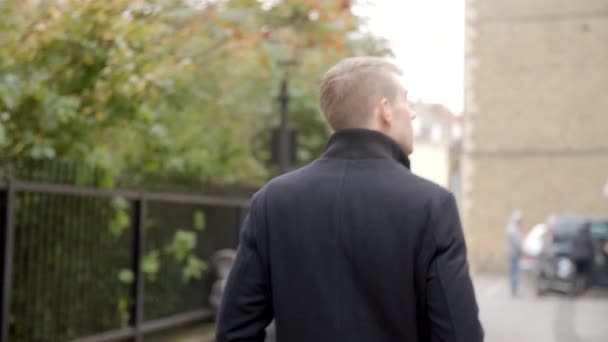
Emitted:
pixel 351 89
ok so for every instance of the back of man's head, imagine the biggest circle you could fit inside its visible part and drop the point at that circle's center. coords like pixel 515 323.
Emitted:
pixel 352 88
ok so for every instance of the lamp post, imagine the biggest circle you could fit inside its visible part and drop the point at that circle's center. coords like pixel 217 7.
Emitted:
pixel 283 138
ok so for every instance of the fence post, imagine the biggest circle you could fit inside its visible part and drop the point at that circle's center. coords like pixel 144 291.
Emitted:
pixel 137 312
pixel 7 240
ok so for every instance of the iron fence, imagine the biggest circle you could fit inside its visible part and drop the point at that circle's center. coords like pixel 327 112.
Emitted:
pixel 67 254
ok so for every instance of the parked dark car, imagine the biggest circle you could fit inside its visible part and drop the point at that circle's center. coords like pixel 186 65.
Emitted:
pixel 574 255
pixel 599 232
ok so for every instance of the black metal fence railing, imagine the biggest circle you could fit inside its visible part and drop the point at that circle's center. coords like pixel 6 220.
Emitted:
pixel 80 263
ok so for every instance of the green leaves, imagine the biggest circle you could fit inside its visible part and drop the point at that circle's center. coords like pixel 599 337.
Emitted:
pixel 10 88
pixel 194 269
pixel 150 265
pixel 165 87
pixel 119 223
pixel 183 243
pixel 121 220
pixel 199 221
pixel 126 276
pixel 120 203
pixel 123 306
pixel 3 139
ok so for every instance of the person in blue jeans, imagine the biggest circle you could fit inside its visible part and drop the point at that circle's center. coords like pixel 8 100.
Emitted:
pixel 514 248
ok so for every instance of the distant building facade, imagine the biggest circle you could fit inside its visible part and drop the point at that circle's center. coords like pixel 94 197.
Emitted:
pixel 437 136
pixel 535 117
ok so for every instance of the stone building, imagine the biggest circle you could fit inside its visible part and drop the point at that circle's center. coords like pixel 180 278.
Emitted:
pixel 535 117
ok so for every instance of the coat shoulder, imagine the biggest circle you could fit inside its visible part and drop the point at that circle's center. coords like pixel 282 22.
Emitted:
pixel 401 178
pixel 427 188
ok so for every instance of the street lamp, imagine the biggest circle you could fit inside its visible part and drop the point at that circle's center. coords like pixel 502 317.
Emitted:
pixel 283 138
pixel 284 98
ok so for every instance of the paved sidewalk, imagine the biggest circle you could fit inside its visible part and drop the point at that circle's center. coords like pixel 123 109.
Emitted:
pixel 552 318
pixel 526 318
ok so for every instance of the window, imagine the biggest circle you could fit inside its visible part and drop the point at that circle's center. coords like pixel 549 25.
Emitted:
pixel 599 230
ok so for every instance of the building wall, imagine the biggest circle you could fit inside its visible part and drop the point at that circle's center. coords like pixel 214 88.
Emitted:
pixel 536 116
pixel 432 161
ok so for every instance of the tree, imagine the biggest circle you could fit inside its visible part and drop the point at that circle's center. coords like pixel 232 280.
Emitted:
pixel 165 86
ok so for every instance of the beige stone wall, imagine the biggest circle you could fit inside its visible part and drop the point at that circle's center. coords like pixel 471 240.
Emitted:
pixel 536 115
pixel 538 186
pixel 543 8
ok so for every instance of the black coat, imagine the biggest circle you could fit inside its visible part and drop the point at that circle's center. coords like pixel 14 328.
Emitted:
pixel 352 247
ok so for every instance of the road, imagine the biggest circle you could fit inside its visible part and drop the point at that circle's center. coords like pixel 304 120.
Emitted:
pixel 552 318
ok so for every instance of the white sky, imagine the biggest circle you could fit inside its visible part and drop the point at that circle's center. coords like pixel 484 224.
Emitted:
pixel 427 37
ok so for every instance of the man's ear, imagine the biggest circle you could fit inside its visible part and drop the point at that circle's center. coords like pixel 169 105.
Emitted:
pixel 385 112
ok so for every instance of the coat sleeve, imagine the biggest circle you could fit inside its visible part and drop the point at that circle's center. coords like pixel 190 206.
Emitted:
pixel 452 309
pixel 246 307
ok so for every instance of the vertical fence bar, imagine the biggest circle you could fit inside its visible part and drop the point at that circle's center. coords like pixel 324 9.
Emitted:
pixel 58 214
pixel 138 252
pixel 87 239
pixel 69 209
pixel 27 233
pixel 35 212
pixel 24 238
pixel 7 261
pixel 77 312
pixel 44 224
pixel 97 252
pixel 68 252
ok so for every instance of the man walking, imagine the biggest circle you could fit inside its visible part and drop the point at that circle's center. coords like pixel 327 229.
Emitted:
pixel 354 247
pixel 514 248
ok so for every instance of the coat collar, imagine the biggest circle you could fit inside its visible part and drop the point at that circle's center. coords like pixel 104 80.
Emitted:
pixel 359 143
